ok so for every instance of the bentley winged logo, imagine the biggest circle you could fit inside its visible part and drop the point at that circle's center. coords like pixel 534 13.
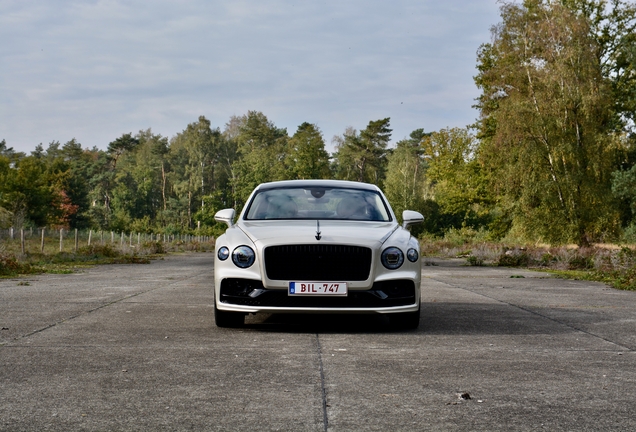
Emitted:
pixel 318 236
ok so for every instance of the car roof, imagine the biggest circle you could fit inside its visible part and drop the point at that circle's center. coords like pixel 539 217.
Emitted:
pixel 317 183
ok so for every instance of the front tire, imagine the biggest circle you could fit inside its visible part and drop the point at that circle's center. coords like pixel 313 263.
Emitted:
pixel 226 319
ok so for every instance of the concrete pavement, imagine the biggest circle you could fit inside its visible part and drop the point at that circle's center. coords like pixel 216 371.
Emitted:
pixel 134 347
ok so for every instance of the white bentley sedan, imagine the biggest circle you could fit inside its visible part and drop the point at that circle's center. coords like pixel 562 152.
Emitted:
pixel 317 246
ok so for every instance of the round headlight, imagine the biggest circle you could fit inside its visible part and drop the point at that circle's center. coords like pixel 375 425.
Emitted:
pixel 223 253
pixel 412 255
pixel 392 258
pixel 243 256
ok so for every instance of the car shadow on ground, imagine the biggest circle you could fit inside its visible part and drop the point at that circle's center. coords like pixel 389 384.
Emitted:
pixel 320 323
pixel 437 318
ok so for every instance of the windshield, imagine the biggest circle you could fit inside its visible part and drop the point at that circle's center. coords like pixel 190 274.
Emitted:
pixel 318 203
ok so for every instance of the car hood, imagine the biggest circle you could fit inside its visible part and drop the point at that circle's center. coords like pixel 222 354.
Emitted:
pixel 304 232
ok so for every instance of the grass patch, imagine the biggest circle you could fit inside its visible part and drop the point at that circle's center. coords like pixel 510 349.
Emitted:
pixel 620 280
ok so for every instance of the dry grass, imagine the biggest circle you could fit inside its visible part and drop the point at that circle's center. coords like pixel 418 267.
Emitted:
pixel 613 264
pixel 51 260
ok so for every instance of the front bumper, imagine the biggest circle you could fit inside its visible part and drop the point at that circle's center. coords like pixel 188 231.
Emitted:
pixel 247 295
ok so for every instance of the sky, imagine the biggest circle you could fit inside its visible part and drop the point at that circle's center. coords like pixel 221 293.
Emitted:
pixel 94 70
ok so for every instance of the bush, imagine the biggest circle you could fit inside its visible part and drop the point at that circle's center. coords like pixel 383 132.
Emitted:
pixel 580 262
pixel 624 280
pixel 465 235
pixel 475 261
pixel 153 247
pixel 9 265
pixel 547 259
pixel 629 234
pixel 514 258
pixel 97 251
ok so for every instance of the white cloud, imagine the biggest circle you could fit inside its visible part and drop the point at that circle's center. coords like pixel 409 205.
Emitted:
pixel 95 70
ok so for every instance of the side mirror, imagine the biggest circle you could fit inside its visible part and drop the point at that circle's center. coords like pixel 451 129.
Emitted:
pixel 226 216
pixel 410 217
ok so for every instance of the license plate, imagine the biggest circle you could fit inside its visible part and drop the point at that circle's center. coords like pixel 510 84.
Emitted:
pixel 318 288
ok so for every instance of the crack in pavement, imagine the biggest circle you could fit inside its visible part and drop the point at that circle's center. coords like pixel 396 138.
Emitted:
pixel 525 309
pixel 325 418
pixel 86 312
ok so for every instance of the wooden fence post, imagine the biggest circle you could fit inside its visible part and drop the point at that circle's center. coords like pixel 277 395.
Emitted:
pixel 61 239
pixel 42 242
pixel 76 240
pixel 90 234
pixel 22 246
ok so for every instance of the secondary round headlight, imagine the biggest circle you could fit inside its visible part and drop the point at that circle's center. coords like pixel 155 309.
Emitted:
pixel 223 253
pixel 412 255
pixel 243 256
pixel 392 258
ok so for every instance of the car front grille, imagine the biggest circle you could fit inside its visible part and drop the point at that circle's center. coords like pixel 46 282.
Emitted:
pixel 246 292
pixel 317 262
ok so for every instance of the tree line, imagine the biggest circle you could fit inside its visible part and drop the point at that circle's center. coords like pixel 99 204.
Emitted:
pixel 552 156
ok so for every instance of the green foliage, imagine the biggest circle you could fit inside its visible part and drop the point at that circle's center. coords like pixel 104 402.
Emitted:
pixel 514 258
pixel 624 188
pixel 464 235
pixel 620 269
pixel 625 280
pixel 362 157
pixel 475 261
pixel 552 158
pixel 613 27
pixel 8 152
pixel 193 157
pixel 405 184
pixel 456 178
pixel 125 143
pixel 9 265
pixel 262 149
pixel 26 192
pixel 97 251
pixel 580 262
pixel 154 247
pixel 6 218
pixel 307 157
pixel 547 129
pixel 206 216
pixel 629 234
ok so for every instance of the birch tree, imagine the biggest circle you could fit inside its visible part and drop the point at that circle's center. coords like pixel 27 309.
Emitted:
pixel 546 122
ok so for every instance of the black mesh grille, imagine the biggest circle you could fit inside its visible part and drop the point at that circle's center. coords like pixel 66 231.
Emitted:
pixel 318 262
pixel 383 294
